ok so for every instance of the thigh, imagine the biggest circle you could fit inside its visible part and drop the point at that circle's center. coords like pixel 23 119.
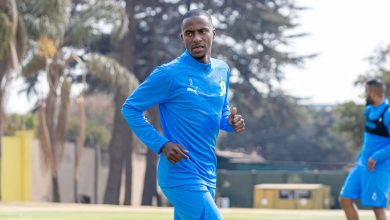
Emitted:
pixel 353 184
pixel 375 188
pixel 211 211
pixel 192 204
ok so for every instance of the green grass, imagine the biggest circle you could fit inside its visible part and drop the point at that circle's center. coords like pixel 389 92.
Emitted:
pixel 100 212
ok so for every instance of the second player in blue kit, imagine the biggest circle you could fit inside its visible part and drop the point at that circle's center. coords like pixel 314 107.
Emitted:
pixel 369 180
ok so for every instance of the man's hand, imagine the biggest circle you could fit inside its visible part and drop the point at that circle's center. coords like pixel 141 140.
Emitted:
pixel 236 121
pixel 174 152
pixel 371 164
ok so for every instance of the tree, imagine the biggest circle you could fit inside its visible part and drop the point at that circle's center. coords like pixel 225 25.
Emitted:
pixel 351 123
pixel 121 140
pixel 67 27
pixel 285 129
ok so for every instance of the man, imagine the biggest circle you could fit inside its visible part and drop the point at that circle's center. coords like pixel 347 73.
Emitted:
pixel 191 92
pixel 369 179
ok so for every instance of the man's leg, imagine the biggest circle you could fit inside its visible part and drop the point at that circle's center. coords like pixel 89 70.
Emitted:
pixel 375 192
pixel 192 204
pixel 211 211
pixel 380 213
pixel 351 190
pixel 350 208
pixel 176 214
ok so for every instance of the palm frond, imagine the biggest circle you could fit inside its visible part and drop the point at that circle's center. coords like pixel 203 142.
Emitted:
pixel 34 66
pixel 111 72
pixel 93 18
pixel 44 17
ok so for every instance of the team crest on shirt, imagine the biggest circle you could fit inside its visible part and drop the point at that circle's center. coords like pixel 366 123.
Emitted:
pixel 222 87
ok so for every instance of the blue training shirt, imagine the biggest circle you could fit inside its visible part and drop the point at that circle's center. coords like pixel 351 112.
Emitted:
pixel 376 146
pixel 193 106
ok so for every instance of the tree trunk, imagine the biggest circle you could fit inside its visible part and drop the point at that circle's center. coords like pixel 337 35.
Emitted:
pixel 55 71
pixel 56 188
pixel 75 177
pixel 96 173
pixel 127 55
pixel 128 170
pixel 120 140
pixel 150 180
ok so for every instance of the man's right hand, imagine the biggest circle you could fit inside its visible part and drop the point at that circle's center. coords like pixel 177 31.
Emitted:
pixel 174 152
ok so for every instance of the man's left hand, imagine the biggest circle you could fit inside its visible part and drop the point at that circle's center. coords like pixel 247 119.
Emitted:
pixel 371 164
pixel 236 121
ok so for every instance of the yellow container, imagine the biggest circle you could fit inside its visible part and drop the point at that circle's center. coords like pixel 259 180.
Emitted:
pixel 292 196
pixel 16 163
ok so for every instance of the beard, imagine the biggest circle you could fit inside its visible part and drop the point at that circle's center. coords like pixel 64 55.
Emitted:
pixel 369 101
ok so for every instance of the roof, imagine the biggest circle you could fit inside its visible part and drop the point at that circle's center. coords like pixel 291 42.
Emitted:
pixel 240 157
pixel 289 186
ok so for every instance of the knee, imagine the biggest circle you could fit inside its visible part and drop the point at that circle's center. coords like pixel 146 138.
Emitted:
pixel 345 202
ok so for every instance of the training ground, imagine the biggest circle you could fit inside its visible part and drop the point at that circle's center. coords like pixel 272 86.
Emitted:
pixel 49 211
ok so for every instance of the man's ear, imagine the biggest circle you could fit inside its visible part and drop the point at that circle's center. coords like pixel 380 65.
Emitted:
pixel 214 33
pixel 181 37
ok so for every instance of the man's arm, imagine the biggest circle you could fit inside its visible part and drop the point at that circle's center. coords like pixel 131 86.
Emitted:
pixel 230 121
pixel 224 124
pixel 154 90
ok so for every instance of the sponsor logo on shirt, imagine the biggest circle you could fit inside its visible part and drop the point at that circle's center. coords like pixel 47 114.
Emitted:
pixel 191 87
pixel 222 86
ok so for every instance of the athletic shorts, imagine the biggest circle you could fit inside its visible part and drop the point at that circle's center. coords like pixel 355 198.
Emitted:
pixel 370 187
pixel 193 204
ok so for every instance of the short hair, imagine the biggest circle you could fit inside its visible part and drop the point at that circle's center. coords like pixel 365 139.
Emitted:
pixel 377 86
pixel 197 12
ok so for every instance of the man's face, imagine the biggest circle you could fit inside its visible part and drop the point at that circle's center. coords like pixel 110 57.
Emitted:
pixel 198 34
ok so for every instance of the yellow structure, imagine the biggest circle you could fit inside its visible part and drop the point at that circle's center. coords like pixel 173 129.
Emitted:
pixel 16 163
pixel 292 196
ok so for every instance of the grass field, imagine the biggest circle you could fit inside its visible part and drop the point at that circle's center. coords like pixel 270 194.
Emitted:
pixel 106 212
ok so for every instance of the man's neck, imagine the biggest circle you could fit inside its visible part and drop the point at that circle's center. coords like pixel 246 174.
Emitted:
pixel 205 59
pixel 378 102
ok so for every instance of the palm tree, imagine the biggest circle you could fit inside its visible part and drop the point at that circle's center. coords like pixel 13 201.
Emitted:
pixel 12 46
pixel 65 30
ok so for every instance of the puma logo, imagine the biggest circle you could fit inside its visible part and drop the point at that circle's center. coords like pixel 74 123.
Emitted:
pixel 195 90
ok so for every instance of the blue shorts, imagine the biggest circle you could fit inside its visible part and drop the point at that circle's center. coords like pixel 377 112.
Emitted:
pixel 192 204
pixel 371 187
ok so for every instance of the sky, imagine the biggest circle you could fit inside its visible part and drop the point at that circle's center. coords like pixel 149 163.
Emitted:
pixel 342 32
